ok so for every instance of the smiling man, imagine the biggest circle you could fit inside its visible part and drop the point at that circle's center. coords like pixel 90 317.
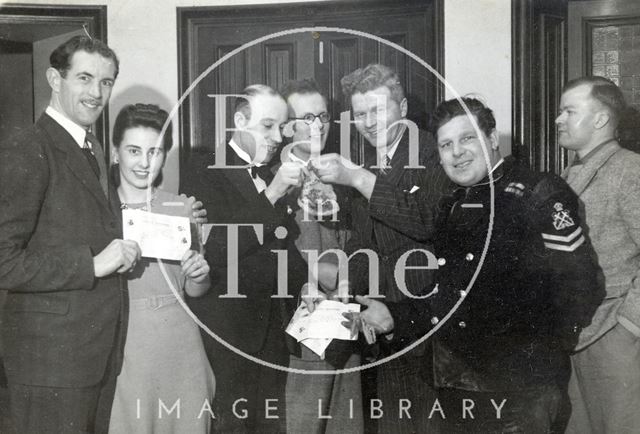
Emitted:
pixel 379 109
pixel 247 192
pixel 535 288
pixel 60 252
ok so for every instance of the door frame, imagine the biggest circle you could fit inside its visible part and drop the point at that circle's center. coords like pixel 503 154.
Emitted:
pixel 95 19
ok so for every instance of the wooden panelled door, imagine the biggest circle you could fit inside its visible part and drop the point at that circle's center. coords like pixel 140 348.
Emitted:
pixel 208 34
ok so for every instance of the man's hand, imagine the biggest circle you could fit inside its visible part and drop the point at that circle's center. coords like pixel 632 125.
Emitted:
pixel 312 296
pixel 198 212
pixel 119 256
pixel 289 175
pixel 335 169
pixel 376 315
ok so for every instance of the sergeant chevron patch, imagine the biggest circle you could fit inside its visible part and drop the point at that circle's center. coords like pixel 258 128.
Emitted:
pixel 564 243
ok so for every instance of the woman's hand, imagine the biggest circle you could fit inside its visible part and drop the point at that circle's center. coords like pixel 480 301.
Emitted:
pixel 195 267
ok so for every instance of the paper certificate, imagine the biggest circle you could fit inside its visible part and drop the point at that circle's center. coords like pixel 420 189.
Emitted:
pixel 318 329
pixel 158 235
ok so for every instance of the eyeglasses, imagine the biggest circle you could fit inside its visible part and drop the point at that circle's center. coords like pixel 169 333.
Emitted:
pixel 310 118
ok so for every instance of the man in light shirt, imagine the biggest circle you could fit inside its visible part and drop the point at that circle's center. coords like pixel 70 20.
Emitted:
pixel 61 252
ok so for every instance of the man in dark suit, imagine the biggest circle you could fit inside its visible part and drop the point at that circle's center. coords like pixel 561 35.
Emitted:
pixel 405 160
pixel 60 252
pixel 242 307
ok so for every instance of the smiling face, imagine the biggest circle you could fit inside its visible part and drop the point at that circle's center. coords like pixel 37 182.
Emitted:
pixel 308 135
pixel 461 154
pixel 259 136
pixel 85 90
pixel 374 112
pixel 141 157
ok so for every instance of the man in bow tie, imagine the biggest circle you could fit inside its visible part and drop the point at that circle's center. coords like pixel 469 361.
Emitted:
pixel 246 193
pixel 605 382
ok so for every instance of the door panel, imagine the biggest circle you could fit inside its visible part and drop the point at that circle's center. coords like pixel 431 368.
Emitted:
pixel 207 34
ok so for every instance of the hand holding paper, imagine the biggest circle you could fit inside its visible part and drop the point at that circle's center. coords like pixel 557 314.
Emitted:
pixel 316 330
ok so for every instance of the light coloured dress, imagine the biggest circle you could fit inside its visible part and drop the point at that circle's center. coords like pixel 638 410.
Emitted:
pixel 166 383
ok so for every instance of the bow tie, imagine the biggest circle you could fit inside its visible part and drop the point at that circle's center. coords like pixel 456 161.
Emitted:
pixel 264 172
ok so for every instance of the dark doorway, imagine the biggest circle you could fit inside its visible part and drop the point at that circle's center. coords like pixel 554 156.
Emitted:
pixel 28 34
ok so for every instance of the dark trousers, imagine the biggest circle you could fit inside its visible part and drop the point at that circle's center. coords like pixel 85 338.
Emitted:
pixel 37 410
pixel 531 411
pixel 400 396
pixel 244 389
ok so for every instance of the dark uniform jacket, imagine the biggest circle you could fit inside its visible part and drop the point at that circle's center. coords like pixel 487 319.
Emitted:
pixel 516 284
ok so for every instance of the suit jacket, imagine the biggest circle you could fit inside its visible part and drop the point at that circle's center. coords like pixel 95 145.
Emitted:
pixel 373 231
pixel 230 197
pixel 608 184
pixel 59 320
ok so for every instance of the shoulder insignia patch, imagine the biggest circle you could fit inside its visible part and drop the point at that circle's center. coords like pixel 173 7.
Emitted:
pixel 515 188
pixel 561 218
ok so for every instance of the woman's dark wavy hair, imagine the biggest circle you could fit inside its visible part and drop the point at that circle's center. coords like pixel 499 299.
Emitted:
pixel 452 108
pixel 142 115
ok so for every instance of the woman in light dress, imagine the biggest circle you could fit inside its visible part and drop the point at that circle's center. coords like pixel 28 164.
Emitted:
pixel 166 382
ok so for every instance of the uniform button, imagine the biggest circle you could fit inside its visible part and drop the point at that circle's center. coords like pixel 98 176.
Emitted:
pixel 289 210
pixel 462 324
pixel 435 320
pixel 441 261
pixel 463 294
pixel 469 257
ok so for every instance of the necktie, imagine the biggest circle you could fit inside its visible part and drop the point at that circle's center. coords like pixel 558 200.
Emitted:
pixel 264 172
pixel 386 165
pixel 96 155
pixel 90 142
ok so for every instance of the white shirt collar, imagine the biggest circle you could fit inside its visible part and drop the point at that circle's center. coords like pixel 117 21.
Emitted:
pixel 244 156
pixel 390 151
pixel 77 132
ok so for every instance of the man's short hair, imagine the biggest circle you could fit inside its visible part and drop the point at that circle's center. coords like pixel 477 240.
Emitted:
pixel 243 105
pixel 452 108
pixel 603 90
pixel 371 77
pixel 60 58
pixel 305 86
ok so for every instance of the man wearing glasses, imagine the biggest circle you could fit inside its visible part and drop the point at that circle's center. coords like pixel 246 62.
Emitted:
pixel 309 396
pixel 379 111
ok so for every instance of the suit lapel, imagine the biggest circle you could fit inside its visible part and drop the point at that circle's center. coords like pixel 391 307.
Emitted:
pixel 579 177
pixel 241 180
pixel 76 162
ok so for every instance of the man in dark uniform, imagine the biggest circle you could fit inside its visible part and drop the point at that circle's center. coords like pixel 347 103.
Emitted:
pixel 517 281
